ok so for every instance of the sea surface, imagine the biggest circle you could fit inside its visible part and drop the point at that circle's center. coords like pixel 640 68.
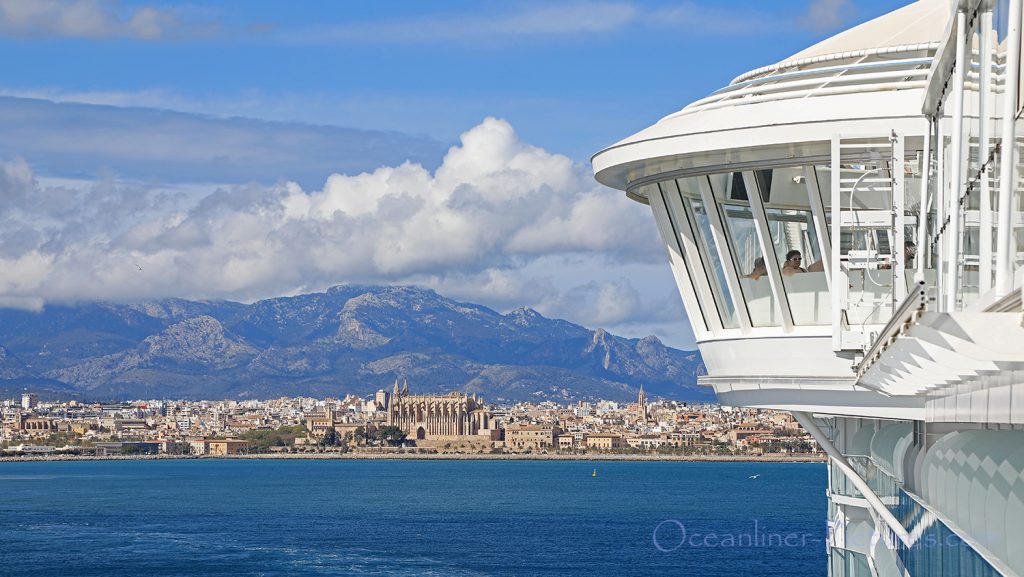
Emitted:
pixel 411 518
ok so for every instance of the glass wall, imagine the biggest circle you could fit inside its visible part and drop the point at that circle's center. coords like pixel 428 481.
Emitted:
pixel 846 563
pixel 730 192
pixel 689 189
pixel 666 196
pixel 795 244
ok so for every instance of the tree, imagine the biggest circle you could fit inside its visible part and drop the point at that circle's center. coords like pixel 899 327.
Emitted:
pixel 260 440
pixel 390 435
pixel 330 438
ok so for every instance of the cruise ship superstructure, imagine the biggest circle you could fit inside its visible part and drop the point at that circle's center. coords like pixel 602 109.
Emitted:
pixel 846 229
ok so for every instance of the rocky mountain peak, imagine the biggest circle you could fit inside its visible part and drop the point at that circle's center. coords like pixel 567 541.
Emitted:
pixel 349 339
pixel 200 339
pixel 524 316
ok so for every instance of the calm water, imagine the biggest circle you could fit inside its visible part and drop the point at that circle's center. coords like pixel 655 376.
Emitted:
pixel 445 518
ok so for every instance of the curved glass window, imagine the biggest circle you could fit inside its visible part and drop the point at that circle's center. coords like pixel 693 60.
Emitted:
pixel 681 267
pixel 689 189
pixel 731 194
pixel 794 241
pixel 803 270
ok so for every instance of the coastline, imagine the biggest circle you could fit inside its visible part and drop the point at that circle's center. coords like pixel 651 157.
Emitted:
pixel 802 458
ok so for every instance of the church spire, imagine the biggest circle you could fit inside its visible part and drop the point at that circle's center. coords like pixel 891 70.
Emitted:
pixel 395 393
pixel 641 405
pixel 405 387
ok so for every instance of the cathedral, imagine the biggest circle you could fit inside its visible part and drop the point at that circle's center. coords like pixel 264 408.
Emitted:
pixel 454 416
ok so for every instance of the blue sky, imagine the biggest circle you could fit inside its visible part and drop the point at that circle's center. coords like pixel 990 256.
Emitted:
pixel 220 145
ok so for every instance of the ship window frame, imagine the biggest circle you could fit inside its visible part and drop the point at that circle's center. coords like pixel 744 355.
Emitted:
pixel 680 249
pixel 721 293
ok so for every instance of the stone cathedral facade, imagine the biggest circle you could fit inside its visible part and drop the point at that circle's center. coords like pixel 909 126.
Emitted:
pixel 454 416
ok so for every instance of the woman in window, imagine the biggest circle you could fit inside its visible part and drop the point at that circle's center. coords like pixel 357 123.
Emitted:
pixel 792 265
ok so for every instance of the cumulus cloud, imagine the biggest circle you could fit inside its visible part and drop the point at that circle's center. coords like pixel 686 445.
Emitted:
pixel 494 205
pixel 94 19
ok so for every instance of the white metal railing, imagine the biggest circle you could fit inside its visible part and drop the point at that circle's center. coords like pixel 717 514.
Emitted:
pixel 822 71
pixel 859 54
pixel 856 77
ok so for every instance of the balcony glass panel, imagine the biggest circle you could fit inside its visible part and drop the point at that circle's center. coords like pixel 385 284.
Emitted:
pixel 731 193
pixel 709 253
pixel 846 563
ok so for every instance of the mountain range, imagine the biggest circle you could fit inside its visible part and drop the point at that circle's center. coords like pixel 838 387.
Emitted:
pixel 348 339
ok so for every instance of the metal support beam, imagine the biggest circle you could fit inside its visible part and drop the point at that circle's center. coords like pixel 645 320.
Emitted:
pixel 899 212
pixel 984 119
pixel 820 220
pixel 839 278
pixel 956 176
pixel 838 459
pixel 1008 156
pixel 922 216
pixel 941 192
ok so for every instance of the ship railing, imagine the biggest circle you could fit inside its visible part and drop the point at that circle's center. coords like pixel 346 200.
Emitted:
pixel 872 76
pixel 905 316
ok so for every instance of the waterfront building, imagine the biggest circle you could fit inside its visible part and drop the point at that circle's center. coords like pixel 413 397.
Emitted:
pixel 605 441
pixel 29 401
pixel 566 441
pixel 28 449
pixel 520 437
pixel 454 416
pixel 319 422
pixel 218 446
pixel 846 230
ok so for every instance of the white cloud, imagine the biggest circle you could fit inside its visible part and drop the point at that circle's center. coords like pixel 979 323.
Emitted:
pixel 494 205
pixel 499 222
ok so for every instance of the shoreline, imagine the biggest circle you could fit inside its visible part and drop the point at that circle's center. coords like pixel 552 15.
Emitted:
pixel 803 458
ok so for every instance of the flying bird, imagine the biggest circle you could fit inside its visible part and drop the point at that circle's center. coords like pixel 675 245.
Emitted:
pixel 138 267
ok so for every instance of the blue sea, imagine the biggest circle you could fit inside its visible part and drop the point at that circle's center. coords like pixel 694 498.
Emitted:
pixel 411 518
